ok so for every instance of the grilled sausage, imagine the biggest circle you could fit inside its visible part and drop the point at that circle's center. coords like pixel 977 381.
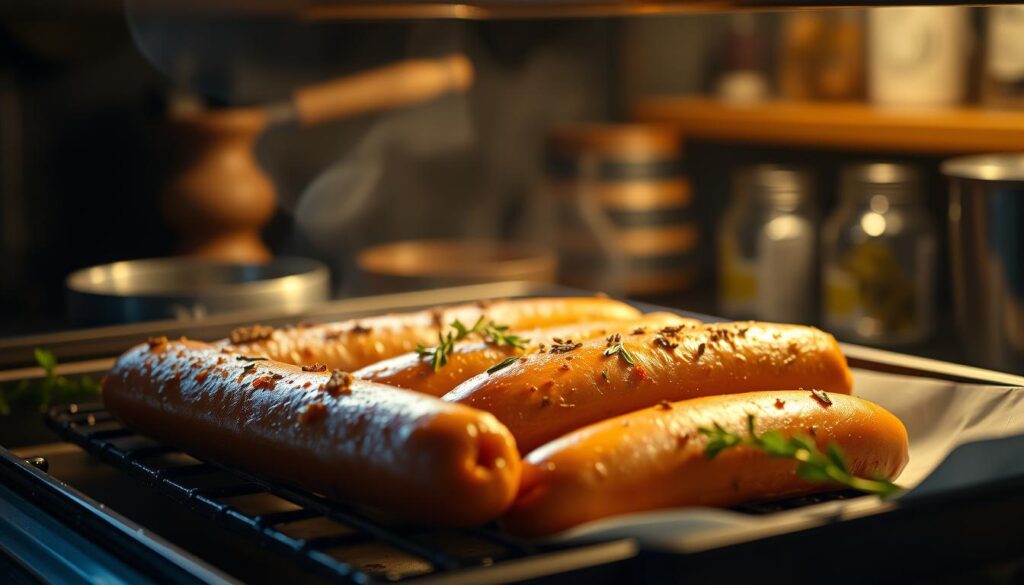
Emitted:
pixel 547 395
pixel 351 345
pixel 407 453
pixel 470 358
pixel 653 458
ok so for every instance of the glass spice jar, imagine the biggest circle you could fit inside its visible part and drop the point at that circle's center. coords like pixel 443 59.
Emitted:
pixel 766 247
pixel 879 261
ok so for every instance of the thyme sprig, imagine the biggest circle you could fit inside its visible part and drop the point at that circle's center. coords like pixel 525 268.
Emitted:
pixel 814 465
pixel 489 331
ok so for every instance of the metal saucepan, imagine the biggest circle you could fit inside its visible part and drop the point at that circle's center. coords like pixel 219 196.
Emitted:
pixel 190 288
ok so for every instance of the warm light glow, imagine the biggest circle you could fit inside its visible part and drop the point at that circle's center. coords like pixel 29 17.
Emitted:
pixel 873 224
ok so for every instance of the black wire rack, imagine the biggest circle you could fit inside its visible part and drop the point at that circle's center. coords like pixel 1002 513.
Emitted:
pixel 337 541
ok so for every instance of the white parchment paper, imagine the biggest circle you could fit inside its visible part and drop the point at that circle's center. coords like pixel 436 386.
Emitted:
pixel 960 434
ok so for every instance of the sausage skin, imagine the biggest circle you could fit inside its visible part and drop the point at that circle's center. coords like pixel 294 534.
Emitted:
pixel 546 395
pixel 407 453
pixel 654 458
pixel 469 358
pixel 351 345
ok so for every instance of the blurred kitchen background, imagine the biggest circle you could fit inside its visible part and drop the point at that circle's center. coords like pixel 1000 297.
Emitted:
pixel 779 166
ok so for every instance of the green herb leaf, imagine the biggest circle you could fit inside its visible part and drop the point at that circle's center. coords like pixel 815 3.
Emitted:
pixel 502 364
pixel 45 359
pixel 618 348
pixel 815 466
pixel 39 394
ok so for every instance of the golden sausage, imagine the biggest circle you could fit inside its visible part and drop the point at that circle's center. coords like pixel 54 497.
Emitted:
pixel 351 345
pixel 543 396
pixel 403 452
pixel 654 458
pixel 469 358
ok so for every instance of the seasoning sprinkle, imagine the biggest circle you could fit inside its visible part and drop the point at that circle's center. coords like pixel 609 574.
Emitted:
pixel 339 383
pixel 155 342
pixel 245 358
pixel 663 342
pixel 560 346
pixel 639 331
pixel 247 368
pixel 317 367
pixel 250 334
pixel 821 397
pixel 665 405
pixel 312 413
pixel 700 350
pixel 670 330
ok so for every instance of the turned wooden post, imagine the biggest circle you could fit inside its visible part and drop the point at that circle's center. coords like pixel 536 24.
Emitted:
pixel 220 198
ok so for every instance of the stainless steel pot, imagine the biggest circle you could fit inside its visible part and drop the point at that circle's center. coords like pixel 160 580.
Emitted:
pixel 986 218
pixel 188 288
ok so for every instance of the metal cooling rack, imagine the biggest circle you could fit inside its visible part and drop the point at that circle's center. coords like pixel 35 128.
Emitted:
pixel 315 532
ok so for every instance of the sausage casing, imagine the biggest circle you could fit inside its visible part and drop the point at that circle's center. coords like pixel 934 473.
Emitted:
pixel 470 358
pixel 351 345
pixel 654 458
pixel 544 396
pixel 406 453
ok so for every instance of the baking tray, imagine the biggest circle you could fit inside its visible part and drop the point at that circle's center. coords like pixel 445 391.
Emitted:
pixel 990 512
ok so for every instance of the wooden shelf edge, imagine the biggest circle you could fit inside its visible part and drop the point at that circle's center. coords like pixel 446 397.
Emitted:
pixel 841 125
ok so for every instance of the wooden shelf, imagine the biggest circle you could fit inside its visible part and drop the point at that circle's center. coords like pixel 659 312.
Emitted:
pixel 847 125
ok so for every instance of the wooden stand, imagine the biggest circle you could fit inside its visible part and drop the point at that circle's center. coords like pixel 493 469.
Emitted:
pixel 222 198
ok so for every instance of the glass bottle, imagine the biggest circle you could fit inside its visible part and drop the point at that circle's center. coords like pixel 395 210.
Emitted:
pixel 879 258
pixel 766 247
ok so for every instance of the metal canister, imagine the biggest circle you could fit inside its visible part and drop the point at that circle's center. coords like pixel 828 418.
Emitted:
pixel 986 238
pixel 623 208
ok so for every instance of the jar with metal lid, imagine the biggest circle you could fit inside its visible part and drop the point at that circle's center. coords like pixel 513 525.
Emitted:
pixel 879 258
pixel 766 247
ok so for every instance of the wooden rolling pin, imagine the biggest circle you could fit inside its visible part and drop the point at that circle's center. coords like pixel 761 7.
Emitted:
pixel 393 86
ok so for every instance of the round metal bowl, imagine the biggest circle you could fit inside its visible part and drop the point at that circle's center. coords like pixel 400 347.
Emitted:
pixel 189 288
pixel 423 264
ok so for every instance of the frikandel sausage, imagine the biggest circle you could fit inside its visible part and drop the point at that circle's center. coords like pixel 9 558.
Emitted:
pixel 471 357
pixel 654 458
pixel 351 345
pixel 407 453
pixel 542 396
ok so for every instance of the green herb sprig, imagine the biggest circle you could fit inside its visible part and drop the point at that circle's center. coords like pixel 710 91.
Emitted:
pixel 618 348
pixel 40 393
pixel 489 331
pixel 502 364
pixel 814 465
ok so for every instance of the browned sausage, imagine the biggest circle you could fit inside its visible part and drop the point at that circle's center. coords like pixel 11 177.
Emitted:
pixel 544 396
pixel 653 458
pixel 354 344
pixel 404 452
pixel 470 358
